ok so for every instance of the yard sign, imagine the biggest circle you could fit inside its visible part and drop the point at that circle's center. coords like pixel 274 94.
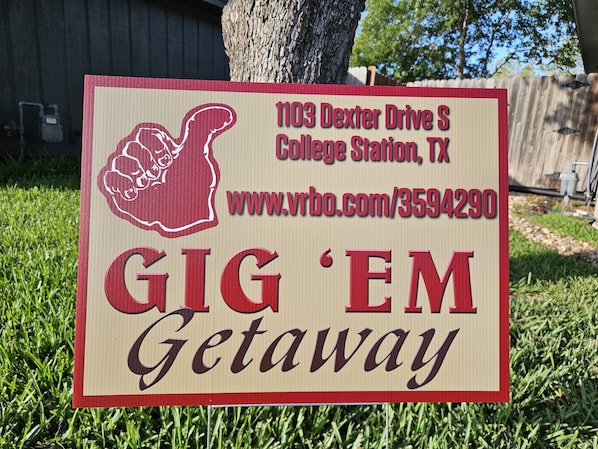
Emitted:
pixel 290 244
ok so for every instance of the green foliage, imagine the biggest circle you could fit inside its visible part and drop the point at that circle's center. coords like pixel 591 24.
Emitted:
pixel 444 39
pixel 554 356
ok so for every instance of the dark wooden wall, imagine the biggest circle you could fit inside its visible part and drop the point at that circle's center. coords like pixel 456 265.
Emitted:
pixel 47 46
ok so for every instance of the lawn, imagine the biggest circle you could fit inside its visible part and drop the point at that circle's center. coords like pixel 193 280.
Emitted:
pixel 554 355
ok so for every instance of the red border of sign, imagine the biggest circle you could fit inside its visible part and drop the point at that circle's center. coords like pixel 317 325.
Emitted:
pixel 292 397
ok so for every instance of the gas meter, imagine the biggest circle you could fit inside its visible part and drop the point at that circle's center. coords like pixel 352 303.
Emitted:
pixel 50 125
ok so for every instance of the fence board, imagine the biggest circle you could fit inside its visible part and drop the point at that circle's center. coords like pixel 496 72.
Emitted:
pixel 538 108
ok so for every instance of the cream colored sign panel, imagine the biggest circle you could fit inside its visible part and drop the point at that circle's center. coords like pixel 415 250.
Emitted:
pixel 270 244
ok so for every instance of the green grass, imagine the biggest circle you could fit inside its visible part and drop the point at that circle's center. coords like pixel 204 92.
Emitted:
pixel 554 356
pixel 567 225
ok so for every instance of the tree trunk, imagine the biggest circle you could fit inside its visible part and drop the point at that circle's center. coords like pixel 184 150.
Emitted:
pixel 294 41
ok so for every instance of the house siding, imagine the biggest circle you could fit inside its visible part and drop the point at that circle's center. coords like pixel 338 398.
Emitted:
pixel 47 46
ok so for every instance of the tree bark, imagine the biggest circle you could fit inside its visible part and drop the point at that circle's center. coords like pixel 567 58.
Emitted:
pixel 294 41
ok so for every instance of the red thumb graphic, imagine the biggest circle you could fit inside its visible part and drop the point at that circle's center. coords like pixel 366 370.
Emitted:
pixel 168 184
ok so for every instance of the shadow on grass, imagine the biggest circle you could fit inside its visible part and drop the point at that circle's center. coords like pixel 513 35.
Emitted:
pixel 532 262
pixel 56 172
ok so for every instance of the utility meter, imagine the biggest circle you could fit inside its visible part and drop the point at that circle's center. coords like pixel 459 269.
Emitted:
pixel 50 125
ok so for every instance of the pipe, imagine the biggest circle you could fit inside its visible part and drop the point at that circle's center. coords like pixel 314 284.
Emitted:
pixel 543 192
pixel 22 125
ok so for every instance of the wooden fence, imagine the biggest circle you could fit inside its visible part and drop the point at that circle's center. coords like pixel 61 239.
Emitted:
pixel 551 124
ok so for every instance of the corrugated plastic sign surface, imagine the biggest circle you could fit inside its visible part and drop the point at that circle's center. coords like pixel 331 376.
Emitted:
pixel 287 244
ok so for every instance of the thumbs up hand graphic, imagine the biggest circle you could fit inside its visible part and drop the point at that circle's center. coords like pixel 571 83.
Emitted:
pixel 167 184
